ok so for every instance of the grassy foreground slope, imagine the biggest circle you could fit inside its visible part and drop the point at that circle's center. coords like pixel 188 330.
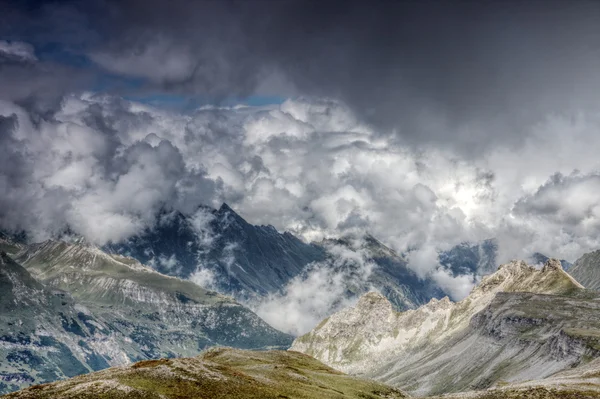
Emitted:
pixel 225 373
pixel 217 373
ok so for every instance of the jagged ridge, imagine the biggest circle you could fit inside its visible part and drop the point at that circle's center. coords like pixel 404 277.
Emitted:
pixel 122 311
pixel 426 350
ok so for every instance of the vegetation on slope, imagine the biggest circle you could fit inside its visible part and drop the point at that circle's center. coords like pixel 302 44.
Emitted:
pixel 217 373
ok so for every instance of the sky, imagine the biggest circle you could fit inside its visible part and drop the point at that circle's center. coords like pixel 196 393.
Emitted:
pixel 426 124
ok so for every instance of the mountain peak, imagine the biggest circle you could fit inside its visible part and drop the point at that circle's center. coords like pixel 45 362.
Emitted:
pixel 518 276
pixel 225 213
pixel 225 208
pixel 372 300
pixel 552 265
pixel 587 271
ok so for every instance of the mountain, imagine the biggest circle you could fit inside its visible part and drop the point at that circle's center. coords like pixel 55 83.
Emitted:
pixel 517 324
pixel 44 334
pixel 582 382
pixel 221 373
pixel 586 270
pixel 388 272
pixel 165 315
pixel 87 310
pixel 540 259
pixel 241 259
pixel 220 250
pixel 471 258
pixel 479 258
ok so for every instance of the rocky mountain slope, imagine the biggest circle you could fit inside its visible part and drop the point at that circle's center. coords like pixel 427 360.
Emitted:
pixel 217 373
pixel 582 382
pixel 388 272
pixel 540 259
pixel 471 258
pixel 219 249
pixel 586 270
pixel 243 260
pixel 113 310
pixel 167 316
pixel 517 324
pixel 44 334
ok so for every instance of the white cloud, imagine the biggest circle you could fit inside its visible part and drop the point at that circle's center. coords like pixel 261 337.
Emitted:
pixel 457 287
pixel 205 278
pixel 105 166
pixel 320 291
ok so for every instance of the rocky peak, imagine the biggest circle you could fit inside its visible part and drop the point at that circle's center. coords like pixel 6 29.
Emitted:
pixel 552 265
pixel 516 267
pixel 586 270
pixel 371 301
pixel 437 304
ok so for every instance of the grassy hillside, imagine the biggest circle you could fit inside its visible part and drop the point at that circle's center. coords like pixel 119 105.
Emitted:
pixel 215 374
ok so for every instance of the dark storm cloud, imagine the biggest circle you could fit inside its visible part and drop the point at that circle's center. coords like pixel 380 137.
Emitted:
pixel 451 79
pixel 468 73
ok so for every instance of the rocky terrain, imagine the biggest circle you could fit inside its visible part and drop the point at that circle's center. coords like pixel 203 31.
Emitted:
pixel 222 251
pixel 44 334
pixel 521 333
pixel 518 324
pixel 71 308
pixel 586 270
pixel 217 373
pixel 388 271
pixel 243 260
pixel 471 258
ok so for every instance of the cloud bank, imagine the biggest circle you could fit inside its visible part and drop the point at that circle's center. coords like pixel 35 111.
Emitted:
pixel 104 167
pixel 426 124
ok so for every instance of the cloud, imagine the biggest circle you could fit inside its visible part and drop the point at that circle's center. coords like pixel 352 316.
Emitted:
pixel 424 124
pixel 467 76
pixel 104 167
pixel 76 171
pixel 457 287
pixel 205 278
pixel 324 288
pixel 176 64
pixel 17 51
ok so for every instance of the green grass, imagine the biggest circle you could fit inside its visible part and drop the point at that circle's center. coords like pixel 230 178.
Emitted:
pixel 218 374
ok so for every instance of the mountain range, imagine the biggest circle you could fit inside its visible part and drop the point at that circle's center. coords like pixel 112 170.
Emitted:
pixel 70 308
pixel 518 324
pixel 220 250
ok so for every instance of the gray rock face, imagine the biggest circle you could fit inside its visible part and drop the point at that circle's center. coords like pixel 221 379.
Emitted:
pixel 389 274
pixel 517 324
pixel 94 310
pixel 471 258
pixel 586 270
pixel 245 260
pixel 251 262
pixel 44 334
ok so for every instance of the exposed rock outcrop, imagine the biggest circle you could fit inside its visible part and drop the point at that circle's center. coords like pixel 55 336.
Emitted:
pixel 518 323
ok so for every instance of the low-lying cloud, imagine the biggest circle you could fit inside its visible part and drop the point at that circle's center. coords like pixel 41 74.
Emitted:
pixel 322 289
